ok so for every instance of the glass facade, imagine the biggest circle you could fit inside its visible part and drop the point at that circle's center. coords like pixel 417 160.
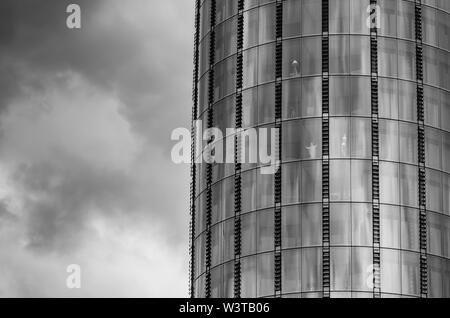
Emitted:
pixel 300 263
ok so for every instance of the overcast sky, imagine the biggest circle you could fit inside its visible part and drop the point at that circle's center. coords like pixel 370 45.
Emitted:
pixel 85 171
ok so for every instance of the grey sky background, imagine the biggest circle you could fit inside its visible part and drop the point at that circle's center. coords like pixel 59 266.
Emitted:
pixel 85 170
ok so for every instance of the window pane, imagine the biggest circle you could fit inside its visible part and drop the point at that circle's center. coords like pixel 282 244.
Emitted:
pixel 311 96
pixel 339 54
pixel 339 180
pixel 302 139
pixel 339 16
pixel 361 138
pixel 387 59
pixel 267 23
pixel 265 279
pixel 389 142
pixel 291 104
pixel 410 273
pixel 311 269
pixel 409 185
pixel 266 231
pixel 362 268
pixel 360 55
pixel 291 183
pixel 390 226
pixel 311 225
pixel 340 269
pixel 311 62
pixel 302 97
pixel 248 280
pixel 406 60
pixel 311 188
pixel 266 102
pixel 358 19
pixel 266 63
pixel 408 143
pixel 291 226
pixel 250 68
pixel 249 107
pixel 228 280
pixel 228 240
pixel 251 28
pixel 435 229
pixel 361 180
pixel 429 23
pixel 339 137
pixel 248 191
pixel 406 20
pixel 248 230
pixel 389 183
pixel 388 17
pixel 361 225
pixel 390 271
pixel 407 99
pixel 291 18
pixel 432 99
pixel 216 282
pixel 216 245
pixel 434 190
pixel 388 98
pixel 410 229
pixel 340 222
pixel 340 96
pixel 360 96
pixel 436 276
pixel 433 148
pixel 291 271
pixel 291 58
pixel 311 17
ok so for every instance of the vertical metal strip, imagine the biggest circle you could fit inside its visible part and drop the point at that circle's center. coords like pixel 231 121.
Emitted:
pixel 375 149
pixel 325 152
pixel 237 152
pixel 278 127
pixel 211 85
pixel 421 153
pixel 193 166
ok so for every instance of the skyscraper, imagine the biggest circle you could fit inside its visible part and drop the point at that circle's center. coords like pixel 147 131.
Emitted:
pixel 360 91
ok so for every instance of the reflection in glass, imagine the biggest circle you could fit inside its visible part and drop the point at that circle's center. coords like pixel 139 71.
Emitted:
pixel 248 277
pixel 390 271
pixel 409 185
pixel 265 232
pixel 390 226
pixel 311 225
pixel 389 183
pixel 311 187
pixel 311 269
pixel 340 222
pixel 248 232
pixel 410 273
pixel 291 183
pixel 265 276
pixel 361 225
pixel 291 226
pixel 340 272
pixel 339 180
pixel 362 268
pixel 291 271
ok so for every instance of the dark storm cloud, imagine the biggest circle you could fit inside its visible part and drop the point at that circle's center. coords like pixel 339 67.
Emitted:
pixel 137 53
pixel 147 60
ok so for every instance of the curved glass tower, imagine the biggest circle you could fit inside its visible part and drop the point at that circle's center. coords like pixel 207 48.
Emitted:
pixel 360 91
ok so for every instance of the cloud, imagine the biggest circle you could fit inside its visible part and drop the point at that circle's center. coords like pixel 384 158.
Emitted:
pixel 85 171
